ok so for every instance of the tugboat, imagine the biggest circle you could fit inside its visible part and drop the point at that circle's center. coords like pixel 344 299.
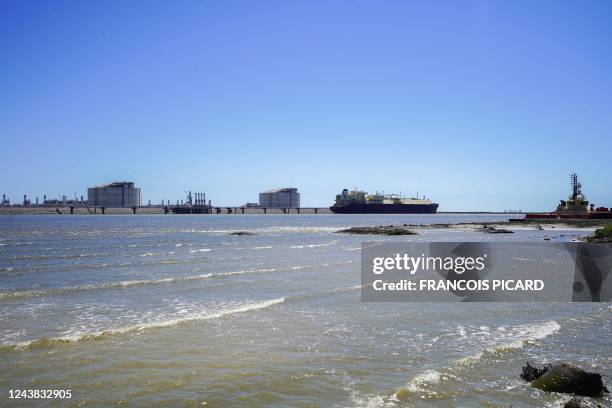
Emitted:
pixel 576 206
pixel 360 202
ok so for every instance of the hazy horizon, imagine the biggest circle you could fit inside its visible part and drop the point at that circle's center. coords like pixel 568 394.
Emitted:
pixel 484 106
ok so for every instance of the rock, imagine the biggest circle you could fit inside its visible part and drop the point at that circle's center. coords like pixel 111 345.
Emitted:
pixel 531 373
pixel 565 378
pixel 580 403
pixel 493 230
pixel 443 225
pixel 242 233
pixel 381 230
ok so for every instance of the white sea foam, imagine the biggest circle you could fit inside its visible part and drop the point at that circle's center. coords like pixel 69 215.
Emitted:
pixel 197 316
pixel 513 338
pixel 347 289
pixel 527 333
pixel 367 401
pixel 76 337
pixel 97 286
pixel 325 244
pixel 247 271
pixel 419 382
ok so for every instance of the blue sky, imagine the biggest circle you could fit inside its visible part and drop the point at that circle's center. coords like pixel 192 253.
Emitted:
pixel 479 105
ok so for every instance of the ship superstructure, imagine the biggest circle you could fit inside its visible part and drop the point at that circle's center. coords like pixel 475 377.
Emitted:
pixel 576 206
pixel 577 202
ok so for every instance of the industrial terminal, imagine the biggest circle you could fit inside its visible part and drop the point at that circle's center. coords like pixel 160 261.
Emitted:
pixel 116 195
pixel 276 201
pixel 124 197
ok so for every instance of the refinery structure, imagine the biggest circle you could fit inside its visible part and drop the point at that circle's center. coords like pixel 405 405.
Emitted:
pixel 195 204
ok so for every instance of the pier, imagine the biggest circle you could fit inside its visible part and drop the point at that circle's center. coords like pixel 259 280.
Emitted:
pixel 265 210
pixel 247 210
pixel 210 210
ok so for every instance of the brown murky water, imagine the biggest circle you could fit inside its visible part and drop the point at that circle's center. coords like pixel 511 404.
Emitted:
pixel 173 311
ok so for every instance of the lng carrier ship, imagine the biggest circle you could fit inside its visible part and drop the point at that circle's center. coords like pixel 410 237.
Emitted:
pixel 360 202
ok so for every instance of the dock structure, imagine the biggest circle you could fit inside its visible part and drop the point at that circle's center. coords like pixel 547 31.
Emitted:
pixel 158 209
pixel 266 210
pixel 194 204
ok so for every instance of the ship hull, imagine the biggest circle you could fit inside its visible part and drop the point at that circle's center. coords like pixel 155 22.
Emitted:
pixel 362 208
pixel 573 216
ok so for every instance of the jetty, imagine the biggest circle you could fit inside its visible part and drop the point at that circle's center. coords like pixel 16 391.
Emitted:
pixel 158 209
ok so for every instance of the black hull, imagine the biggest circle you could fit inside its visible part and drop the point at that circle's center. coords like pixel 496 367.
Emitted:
pixel 361 208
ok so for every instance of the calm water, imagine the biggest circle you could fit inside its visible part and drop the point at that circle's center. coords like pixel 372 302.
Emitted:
pixel 174 311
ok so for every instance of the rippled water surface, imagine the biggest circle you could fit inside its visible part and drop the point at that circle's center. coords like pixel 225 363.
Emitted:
pixel 176 311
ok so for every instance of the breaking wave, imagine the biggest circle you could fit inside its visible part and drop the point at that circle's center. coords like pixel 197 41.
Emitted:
pixel 423 380
pixel 101 334
pixel 522 334
pixel 25 294
pixel 423 385
pixel 46 342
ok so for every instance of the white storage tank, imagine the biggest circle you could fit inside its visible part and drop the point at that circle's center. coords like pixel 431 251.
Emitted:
pixel 287 197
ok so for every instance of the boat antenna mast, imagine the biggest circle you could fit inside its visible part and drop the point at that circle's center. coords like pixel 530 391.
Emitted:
pixel 576 186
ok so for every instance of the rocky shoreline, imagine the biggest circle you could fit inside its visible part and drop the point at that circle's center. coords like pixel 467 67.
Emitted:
pixel 567 379
pixel 502 227
pixel 601 235
pixel 379 230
